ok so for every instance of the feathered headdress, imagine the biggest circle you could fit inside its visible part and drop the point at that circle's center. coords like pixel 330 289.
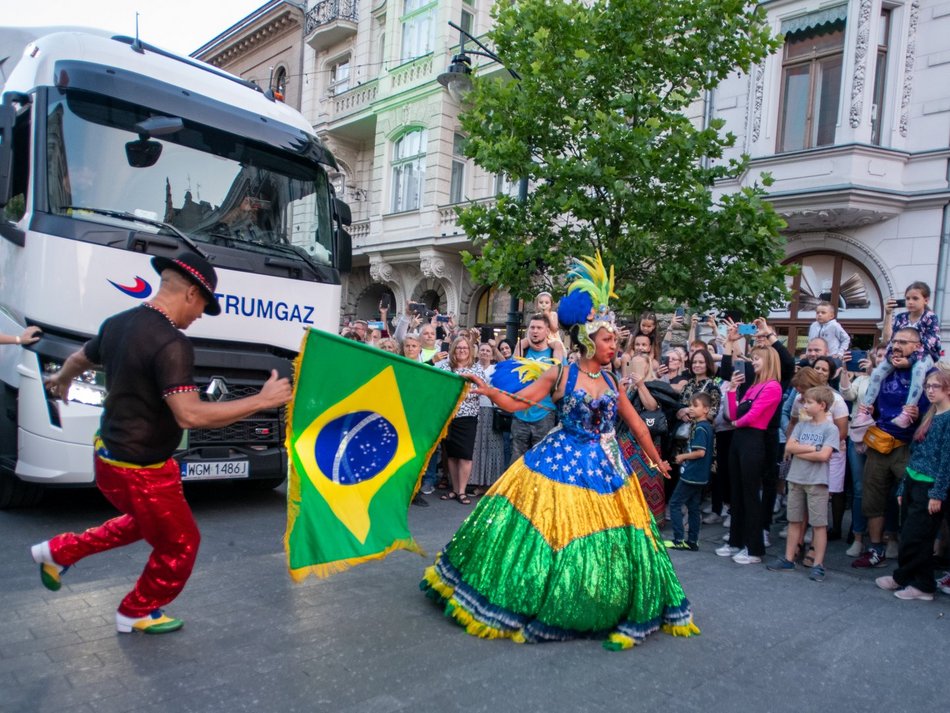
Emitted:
pixel 586 302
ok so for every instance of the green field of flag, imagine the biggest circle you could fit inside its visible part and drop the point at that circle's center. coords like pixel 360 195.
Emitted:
pixel 360 429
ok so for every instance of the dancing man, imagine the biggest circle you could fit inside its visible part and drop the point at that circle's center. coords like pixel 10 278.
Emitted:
pixel 151 397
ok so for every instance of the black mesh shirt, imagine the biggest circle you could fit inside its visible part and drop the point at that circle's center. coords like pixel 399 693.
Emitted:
pixel 145 359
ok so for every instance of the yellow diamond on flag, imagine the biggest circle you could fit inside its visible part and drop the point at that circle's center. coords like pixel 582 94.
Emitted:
pixel 354 447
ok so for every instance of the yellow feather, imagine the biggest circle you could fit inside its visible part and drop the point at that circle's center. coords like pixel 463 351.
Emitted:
pixel 593 278
pixel 532 369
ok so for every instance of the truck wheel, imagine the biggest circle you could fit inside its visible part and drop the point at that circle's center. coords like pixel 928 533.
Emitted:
pixel 16 493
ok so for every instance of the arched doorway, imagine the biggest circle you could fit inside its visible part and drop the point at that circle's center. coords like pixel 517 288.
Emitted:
pixel 367 304
pixel 431 293
pixel 835 278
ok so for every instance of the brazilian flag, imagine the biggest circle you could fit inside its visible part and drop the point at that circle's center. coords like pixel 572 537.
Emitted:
pixel 360 430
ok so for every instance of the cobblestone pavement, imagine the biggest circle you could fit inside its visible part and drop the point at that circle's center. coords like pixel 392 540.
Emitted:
pixel 368 641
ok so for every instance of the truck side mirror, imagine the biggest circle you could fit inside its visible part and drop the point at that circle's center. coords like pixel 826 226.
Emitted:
pixel 344 250
pixel 7 121
pixel 343 213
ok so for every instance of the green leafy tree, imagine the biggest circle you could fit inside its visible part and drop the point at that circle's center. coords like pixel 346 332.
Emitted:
pixel 601 125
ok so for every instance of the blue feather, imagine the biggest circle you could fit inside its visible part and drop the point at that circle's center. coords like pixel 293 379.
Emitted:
pixel 506 378
pixel 574 308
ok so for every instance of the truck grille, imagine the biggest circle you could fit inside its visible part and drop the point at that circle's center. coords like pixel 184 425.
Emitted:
pixel 262 428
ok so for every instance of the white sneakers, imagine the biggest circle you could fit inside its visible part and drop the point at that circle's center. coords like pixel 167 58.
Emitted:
pixel 727 550
pixel 910 592
pixel 743 557
pixel 738 556
pixel 887 583
pixel 855 550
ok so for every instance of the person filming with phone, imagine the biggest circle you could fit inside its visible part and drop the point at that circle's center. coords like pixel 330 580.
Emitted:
pixel 733 360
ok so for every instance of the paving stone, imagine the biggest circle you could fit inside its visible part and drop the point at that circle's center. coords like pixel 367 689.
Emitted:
pixel 367 640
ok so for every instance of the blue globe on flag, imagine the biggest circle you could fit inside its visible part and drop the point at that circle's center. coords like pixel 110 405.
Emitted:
pixel 356 447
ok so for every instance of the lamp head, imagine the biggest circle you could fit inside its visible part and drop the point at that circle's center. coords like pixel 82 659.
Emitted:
pixel 457 79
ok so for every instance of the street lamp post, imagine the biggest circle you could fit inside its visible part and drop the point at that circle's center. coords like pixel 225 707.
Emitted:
pixel 457 80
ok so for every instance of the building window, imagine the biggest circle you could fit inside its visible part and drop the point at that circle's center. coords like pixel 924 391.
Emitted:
pixel 457 185
pixel 279 83
pixel 467 22
pixel 811 87
pixel 880 75
pixel 492 307
pixel 418 28
pixel 409 170
pixel 506 185
pixel 339 77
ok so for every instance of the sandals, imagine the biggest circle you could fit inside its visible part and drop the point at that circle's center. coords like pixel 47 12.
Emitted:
pixel 809 559
pixel 463 499
pixel 451 495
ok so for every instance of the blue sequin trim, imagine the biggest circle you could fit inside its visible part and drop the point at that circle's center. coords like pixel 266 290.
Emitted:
pixel 475 604
pixel 680 615
pixel 535 631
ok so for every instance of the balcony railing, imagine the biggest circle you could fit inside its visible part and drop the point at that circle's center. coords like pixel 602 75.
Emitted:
pixel 329 11
pixel 355 99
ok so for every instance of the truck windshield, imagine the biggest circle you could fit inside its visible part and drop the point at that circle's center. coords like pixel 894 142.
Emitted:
pixel 215 187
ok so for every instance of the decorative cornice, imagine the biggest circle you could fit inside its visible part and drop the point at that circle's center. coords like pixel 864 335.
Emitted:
pixel 244 43
pixel 860 63
pixel 909 58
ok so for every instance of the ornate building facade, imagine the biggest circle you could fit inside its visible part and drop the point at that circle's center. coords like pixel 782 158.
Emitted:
pixel 372 93
pixel 851 117
pixel 852 120
pixel 266 47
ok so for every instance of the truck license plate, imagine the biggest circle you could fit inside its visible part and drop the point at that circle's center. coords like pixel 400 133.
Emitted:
pixel 214 469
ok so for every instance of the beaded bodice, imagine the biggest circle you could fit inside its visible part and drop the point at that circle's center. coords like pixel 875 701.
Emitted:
pixel 584 416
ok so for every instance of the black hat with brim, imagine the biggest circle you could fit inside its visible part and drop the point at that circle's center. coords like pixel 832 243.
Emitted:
pixel 196 269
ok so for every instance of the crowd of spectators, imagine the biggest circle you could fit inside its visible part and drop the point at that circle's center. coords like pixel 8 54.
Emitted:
pixel 760 437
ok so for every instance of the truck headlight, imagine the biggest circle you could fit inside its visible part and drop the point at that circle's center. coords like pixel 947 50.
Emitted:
pixel 88 388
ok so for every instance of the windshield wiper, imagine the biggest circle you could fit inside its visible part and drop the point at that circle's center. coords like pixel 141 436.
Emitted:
pixel 294 250
pixel 123 215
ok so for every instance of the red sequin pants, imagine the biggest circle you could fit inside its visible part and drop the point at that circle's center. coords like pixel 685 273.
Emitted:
pixel 154 509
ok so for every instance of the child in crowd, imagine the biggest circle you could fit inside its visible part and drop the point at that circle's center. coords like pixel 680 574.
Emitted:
pixel 922 318
pixel 544 304
pixel 827 327
pixel 696 464
pixel 810 446
pixel 646 327
pixel 922 495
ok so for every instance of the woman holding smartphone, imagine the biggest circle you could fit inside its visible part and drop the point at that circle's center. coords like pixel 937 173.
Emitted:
pixel 459 441
pixel 673 368
pixel 751 416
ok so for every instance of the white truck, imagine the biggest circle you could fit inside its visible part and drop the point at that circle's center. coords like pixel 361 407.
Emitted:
pixel 113 151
